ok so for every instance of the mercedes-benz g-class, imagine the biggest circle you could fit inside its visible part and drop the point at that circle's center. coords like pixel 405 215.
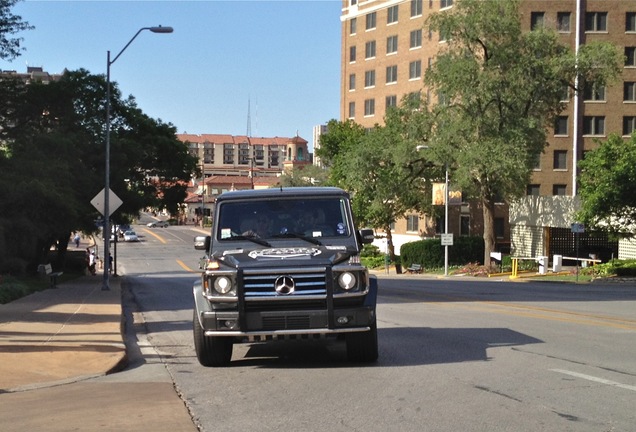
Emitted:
pixel 283 264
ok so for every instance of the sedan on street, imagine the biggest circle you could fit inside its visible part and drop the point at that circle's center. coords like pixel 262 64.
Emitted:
pixel 158 224
pixel 130 236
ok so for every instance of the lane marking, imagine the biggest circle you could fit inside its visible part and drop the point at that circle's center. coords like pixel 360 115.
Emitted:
pixel 157 236
pixel 595 379
pixel 185 267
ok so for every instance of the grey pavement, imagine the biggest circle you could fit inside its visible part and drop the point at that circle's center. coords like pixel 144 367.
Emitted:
pixel 55 345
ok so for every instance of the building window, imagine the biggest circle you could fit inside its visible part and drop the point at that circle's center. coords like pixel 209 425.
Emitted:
pixel 352 82
pixel 354 2
pixel 560 159
pixel 352 110
pixel 439 225
pixel 369 107
pixel 464 225
pixel 558 189
pixel 593 125
pixel 391 74
pixel 561 125
pixel 536 20
pixel 596 21
pixel 371 17
pixel 445 3
pixel 369 78
pixel 412 223
pixel 630 22
pixel 629 125
pixel 565 93
pixel 629 91
pixel 537 163
pixel 594 93
pixel 228 153
pixel 391 44
pixel 352 54
pixel 391 101
pixel 533 190
pixel 416 8
pixel 392 15
pixel 369 50
pixel 630 56
pixel 415 69
pixel 416 39
pixel 563 22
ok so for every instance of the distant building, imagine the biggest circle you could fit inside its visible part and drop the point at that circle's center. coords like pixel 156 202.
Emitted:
pixel 33 74
pixel 317 133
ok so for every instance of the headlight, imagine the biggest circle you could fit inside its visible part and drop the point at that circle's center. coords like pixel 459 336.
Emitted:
pixel 347 281
pixel 223 284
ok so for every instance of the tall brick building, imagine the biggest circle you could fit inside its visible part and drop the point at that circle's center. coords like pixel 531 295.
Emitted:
pixel 386 49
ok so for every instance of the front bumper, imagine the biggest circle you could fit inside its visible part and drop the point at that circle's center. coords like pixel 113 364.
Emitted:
pixel 274 324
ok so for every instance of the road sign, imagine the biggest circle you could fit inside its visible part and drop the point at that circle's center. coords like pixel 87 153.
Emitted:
pixel 447 239
pixel 113 202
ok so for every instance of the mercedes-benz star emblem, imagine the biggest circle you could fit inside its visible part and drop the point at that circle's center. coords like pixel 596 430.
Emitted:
pixel 284 285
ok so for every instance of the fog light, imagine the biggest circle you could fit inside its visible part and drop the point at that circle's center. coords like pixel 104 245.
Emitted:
pixel 230 324
pixel 343 320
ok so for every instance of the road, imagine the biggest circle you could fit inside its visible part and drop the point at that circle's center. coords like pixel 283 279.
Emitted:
pixel 455 355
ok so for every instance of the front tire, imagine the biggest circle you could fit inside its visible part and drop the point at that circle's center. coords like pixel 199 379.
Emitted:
pixel 212 351
pixel 363 347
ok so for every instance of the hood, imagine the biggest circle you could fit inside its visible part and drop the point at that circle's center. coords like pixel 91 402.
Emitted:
pixel 285 256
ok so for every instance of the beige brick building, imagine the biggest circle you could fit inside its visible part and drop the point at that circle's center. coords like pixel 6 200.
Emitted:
pixel 386 49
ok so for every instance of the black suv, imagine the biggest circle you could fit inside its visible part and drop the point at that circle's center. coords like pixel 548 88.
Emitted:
pixel 283 264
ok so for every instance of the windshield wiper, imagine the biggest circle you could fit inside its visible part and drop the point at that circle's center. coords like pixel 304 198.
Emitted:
pixel 300 236
pixel 250 238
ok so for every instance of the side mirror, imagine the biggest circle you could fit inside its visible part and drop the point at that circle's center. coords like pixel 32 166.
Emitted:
pixel 366 236
pixel 202 243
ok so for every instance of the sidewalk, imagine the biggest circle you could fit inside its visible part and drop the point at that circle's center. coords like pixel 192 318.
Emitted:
pixel 54 347
pixel 61 334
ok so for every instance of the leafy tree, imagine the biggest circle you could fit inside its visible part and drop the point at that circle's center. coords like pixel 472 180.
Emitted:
pixel 378 168
pixel 498 89
pixel 607 183
pixel 10 24
pixel 309 175
pixel 53 162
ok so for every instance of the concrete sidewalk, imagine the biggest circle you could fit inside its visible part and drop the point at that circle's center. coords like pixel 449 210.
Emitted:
pixel 55 344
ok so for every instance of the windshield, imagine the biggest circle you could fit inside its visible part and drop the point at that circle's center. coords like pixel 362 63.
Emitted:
pixel 286 218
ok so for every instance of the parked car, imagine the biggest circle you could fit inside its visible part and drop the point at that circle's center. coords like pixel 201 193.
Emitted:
pixel 130 236
pixel 158 224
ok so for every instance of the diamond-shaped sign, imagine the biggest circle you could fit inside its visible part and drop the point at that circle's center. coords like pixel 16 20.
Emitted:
pixel 113 202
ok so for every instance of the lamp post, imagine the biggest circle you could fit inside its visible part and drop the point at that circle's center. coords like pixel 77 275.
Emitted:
pixel 107 228
pixel 446 196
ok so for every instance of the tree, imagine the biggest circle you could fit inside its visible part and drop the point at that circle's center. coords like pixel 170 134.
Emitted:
pixel 607 184
pixel 10 47
pixel 52 162
pixel 307 175
pixel 378 169
pixel 498 89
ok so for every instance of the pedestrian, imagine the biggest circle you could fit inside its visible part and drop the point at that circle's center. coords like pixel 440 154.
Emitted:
pixel 76 239
pixel 92 261
pixel 110 263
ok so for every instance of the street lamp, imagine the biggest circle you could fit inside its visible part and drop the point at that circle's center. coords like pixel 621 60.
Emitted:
pixel 107 228
pixel 446 196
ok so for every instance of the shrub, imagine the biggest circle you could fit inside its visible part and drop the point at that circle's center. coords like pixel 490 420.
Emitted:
pixel 430 253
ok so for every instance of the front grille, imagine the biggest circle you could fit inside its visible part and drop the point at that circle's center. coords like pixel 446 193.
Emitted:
pixel 261 284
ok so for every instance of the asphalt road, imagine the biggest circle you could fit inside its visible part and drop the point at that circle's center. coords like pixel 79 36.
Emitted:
pixel 455 355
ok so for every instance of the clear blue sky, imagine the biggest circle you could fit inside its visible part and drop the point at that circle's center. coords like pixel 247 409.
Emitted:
pixel 284 56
